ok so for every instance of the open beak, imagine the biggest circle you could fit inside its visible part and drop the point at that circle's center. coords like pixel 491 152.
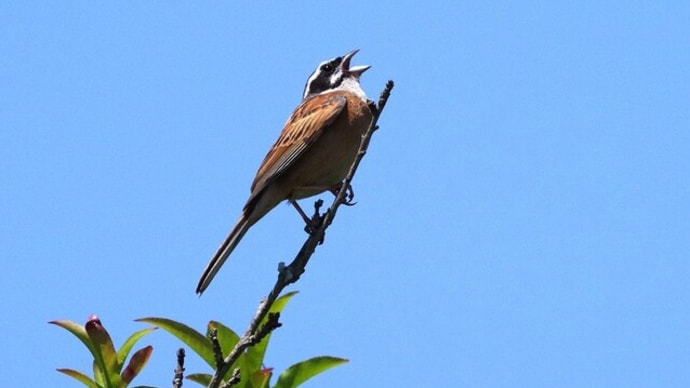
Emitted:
pixel 357 70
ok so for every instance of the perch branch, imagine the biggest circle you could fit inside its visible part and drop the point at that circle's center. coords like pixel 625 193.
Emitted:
pixel 291 273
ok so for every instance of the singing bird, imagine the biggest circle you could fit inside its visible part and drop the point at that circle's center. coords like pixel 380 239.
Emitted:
pixel 313 153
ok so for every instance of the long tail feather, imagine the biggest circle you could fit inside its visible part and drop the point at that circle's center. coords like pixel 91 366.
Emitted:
pixel 222 253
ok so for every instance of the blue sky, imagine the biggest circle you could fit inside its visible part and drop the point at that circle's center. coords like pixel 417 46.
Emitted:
pixel 523 214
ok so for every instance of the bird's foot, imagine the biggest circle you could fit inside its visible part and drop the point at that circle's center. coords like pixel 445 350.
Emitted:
pixel 349 194
pixel 313 223
pixel 301 212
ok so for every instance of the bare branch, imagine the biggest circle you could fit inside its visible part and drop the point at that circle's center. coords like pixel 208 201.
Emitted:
pixel 215 345
pixel 179 370
pixel 234 379
pixel 291 273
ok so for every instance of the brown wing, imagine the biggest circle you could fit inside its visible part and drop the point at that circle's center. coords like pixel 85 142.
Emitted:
pixel 302 129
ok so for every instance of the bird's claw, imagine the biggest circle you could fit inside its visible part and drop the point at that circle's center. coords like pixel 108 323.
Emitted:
pixel 349 194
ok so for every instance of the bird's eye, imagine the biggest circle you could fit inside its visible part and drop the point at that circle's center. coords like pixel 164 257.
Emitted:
pixel 327 68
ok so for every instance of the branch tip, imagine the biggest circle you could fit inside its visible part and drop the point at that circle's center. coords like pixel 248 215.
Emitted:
pixel 179 370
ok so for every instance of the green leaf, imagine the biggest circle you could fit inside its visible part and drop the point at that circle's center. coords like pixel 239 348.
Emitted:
pixel 303 371
pixel 129 343
pixel 280 304
pixel 255 354
pixel 82 378
pixel 79 331
pixel 260 378
pixel 192 338
pixel 200 378
pixel 105 355
pixel 98 374
pixel 136 364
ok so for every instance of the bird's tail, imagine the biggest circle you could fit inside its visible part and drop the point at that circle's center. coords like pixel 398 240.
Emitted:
pixel 222 253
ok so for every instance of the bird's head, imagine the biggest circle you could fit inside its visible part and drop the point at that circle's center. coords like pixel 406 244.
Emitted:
pixel 334 74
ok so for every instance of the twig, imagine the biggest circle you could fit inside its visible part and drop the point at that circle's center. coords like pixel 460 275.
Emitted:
pixel 234 379
pixel 179 370
pixel 291 273
pixel 215 345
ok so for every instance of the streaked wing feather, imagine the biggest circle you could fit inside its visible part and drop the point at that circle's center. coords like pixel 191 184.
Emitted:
pixel 301 131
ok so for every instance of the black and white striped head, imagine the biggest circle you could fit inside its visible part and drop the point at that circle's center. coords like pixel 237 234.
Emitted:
pixel 334 74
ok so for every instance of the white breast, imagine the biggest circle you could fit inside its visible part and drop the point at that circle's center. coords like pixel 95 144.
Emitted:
pixel 352 85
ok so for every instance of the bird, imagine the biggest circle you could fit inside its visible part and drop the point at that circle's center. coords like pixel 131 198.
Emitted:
pixel 312 154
